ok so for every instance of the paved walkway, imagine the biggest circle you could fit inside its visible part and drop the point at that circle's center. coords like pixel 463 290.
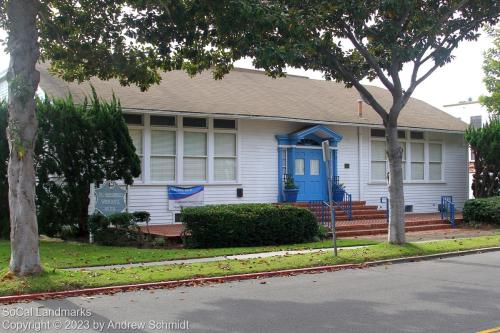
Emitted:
pixel 211 259
pixel 232 257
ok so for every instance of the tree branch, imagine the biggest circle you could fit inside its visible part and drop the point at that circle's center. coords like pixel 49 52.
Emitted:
pixel 369 58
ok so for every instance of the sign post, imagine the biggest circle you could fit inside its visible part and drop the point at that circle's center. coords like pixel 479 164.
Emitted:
pixel 326 158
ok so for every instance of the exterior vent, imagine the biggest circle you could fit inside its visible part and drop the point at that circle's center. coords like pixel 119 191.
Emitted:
pixel 408 208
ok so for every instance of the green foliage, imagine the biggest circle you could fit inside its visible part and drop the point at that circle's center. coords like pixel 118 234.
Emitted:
pixel 119 229
pixel 77 145
pixel 485 143
pixel 491 68
pixel 248 225
pixel 4 156
pixel 290 183
pixel 482 211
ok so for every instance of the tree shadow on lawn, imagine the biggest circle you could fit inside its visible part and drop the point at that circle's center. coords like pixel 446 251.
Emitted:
pixel 444 310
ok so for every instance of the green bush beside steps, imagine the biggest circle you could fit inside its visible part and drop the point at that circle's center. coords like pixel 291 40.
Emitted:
pixel 248 225
pixel 482 211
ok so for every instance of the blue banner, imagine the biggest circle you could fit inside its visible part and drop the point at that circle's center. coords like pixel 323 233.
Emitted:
pixel 185 196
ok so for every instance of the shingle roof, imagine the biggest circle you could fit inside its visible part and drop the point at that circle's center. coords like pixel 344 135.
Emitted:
pixel 251 93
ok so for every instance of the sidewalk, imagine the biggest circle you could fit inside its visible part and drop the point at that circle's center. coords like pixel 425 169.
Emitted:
pixel 255 255
pixel 212 259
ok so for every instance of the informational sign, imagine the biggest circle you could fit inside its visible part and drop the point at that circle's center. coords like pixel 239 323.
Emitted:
pixel 110 199
pixel 179 197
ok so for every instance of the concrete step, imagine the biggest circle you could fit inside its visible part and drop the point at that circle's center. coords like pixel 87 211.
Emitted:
pixel 382 225
pixel 381 231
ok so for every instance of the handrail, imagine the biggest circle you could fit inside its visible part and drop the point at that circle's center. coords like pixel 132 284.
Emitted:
pixel 346 203
pixel 448 209
pixel 324 214
pixel 386 201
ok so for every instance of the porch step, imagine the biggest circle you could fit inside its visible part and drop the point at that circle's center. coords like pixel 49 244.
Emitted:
pixel 355 212
pixel 382 231
pixel 363 226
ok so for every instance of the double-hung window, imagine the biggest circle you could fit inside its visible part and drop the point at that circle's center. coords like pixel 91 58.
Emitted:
pixel 135 130
pixel 163 149
pixel 195 149
pixel 435 161
pixel 378 160
pixel 224 150
pixel 417 161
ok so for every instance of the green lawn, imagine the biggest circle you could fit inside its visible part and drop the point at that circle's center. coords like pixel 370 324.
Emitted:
pixel 57 254
pixel 53 280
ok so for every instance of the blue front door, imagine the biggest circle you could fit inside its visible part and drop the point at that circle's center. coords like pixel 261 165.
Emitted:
pixel 310 175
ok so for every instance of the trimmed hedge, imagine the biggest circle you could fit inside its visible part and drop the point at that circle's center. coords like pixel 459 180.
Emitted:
pixel 482 211
pixel 248 225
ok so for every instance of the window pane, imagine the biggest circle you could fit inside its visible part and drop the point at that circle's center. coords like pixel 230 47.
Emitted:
pixel 379 133
pixel 435 171
pixel 225 144
pixel 378 171
pixel 314 167
pixel 162 121
pixel 417 152
pixel 225 169
pixel 162 168
pixel 195 168
pixel 417 171
pixel 194 122
pixel 299 166
pixel 378 151
pixel 132 119
pixel 224 123
pixel 402 134
pixel 403 146
pixel 417 135
pixel 136 136
pixel 195 144
pixel 163 142
pixel 435 152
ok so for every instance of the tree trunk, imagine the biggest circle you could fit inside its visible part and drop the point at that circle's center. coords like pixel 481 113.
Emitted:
pixel 396 193
pixel 23 81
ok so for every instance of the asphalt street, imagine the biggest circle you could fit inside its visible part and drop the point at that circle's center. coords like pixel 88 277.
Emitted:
pixel 455 295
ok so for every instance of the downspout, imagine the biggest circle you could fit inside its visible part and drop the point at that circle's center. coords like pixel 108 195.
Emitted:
pixel 360 173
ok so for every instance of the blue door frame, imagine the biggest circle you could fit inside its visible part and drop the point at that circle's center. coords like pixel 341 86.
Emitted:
pixel 304 145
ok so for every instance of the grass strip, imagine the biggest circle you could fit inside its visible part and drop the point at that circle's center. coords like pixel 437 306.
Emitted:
pixel 57 280
pixel 59 254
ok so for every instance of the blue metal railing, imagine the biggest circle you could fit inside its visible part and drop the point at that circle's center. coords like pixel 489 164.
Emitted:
pixel 386 201
pixel 321 210
pixel 448 209
pixel 341 198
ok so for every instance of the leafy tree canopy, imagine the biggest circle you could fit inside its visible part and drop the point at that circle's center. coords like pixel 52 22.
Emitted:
pixel 491 67
pixel 485 144
pixel 77 145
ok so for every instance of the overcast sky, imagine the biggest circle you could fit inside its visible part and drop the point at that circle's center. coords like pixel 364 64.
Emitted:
pixel 457 81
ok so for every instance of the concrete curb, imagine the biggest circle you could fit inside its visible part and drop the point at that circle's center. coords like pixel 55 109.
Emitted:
pixel 237 277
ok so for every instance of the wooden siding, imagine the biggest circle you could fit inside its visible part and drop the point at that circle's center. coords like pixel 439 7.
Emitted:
pixel 258 172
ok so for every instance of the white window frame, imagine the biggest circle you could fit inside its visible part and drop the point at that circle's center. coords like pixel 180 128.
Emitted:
pixel 213 131
pixel 407 142
pixel 151 155
pixel 206 156
pixel 377 139
pixel 141 179
pixel 146 128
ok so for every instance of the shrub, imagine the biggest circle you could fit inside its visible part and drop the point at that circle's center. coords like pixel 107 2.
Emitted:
pixel 484 210
pixel 248 225
pixel 119 229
